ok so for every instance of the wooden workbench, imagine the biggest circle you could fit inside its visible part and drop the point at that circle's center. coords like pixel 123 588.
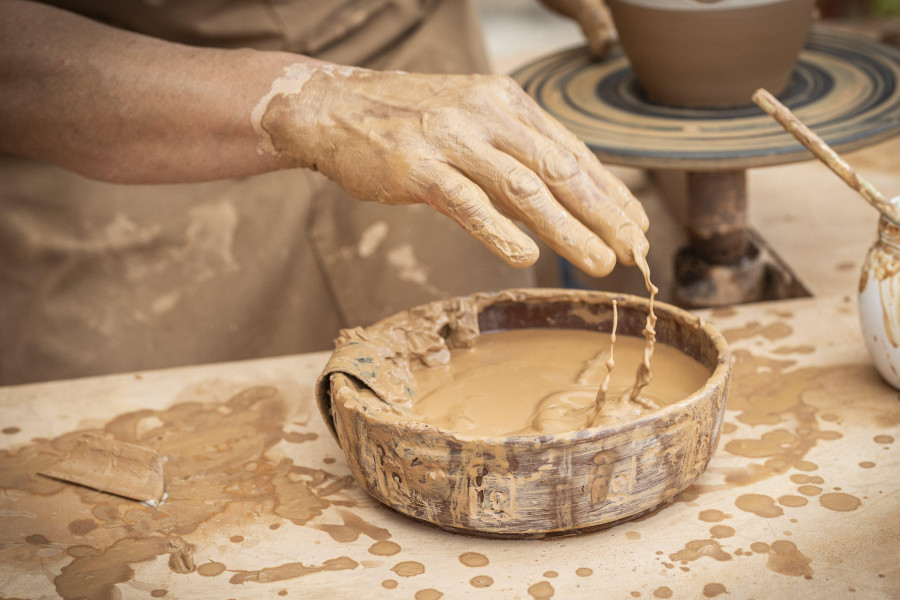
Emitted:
pixel 801 500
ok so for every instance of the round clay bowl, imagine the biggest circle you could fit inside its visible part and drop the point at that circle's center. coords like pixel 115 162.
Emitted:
pixel 707 53
pixel 530 485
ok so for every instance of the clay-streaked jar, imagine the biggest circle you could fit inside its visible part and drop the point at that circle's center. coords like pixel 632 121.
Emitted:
pixel 879 301
pixel 711 53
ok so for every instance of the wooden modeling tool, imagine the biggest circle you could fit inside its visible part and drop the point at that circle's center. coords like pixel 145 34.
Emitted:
pixel 787 119
pixel 109 465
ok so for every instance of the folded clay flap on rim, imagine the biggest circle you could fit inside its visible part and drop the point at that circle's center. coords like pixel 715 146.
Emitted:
pixel 379 357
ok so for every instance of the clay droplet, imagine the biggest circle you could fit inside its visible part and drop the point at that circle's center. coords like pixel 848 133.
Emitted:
pixel 866 464
pixel 389 584
pixel 82 527
pixel 712 516
pixel 550 574
pixel 37 539
pixel 408 568
pixel 721 531
pixel 802 478
pixel 760 505
pixel 542 590
pixel 632 535
pixel 384 548
pixel 662 592
pixel 584 572
pixel 236 539
pixel 473 559
pixel 809 490
pixel 11 430
pixel 839 501
pixel 481 581
pixel 883 439
pixel 786 559
pixel 159 593
pixel 792 501
pixel 711 590
pixel 696 549
pixel 429 594
pixel 211 569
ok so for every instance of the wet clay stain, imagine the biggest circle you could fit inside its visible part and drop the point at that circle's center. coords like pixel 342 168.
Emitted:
pixel 384 548
pixel 840 501
pixel 82 527
pixel 584 572
pixel 428 594
pixel 883 439
pixel 662 592
pixel 389 584
pixel 481 581
pixel 774 392
pixel 784 558
pixel 773 331
pixel 217 465
pixel 474 559
pixel 762 506
pixel 211 569
pixel 792 501
pixel 542 590
pixel 159 593
pixel 550 574
pixel 10 430
pixel 721 531
pixel 352 528
pixel 803 478
pixel 711 590
pixel 292 570
pixel 408 568
pixel 696 549
pixel 712 516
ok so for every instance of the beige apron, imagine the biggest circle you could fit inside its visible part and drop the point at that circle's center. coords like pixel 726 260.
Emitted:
pixel 99 278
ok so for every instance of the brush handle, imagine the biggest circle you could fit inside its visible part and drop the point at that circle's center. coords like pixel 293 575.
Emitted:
pixel 824 153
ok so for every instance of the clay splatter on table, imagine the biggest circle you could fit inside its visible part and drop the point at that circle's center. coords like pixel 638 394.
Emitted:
pixel 273 523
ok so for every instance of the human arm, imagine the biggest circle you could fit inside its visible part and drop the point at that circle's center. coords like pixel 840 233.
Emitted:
pixel 119 106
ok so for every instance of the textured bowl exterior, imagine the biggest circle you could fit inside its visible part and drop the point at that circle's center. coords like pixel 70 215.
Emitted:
pixel 539 485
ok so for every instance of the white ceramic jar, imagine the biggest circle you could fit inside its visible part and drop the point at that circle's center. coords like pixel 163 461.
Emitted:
pixel 879 301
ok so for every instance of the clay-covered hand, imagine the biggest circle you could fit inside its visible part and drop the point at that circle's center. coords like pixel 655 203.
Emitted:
pixel 594 18
pixel 467 145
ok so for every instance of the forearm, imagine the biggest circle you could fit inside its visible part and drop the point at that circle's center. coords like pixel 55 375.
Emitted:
pixel 119 106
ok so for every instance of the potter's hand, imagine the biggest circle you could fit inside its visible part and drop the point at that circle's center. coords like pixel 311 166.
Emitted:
pixel 465 145
pixel 593 17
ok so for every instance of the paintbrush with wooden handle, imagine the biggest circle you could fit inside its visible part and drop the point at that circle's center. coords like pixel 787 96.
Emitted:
pixel 793 125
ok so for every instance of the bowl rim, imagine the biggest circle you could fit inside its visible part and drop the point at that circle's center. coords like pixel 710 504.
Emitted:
pixel 719 378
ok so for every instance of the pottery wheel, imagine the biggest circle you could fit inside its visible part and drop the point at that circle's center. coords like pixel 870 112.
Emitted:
pixel 845 88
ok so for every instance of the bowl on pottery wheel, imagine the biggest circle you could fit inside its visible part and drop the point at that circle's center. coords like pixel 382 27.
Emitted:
pixel 711 53
pixel 522 485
